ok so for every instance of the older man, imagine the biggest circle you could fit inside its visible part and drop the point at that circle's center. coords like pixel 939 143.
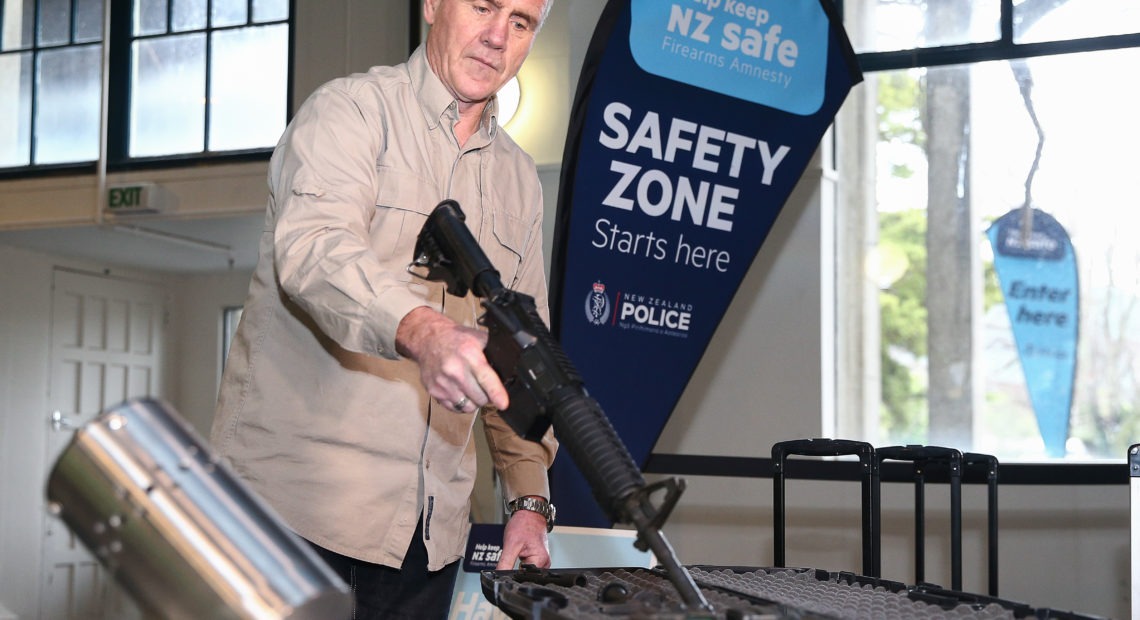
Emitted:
pixel 351 390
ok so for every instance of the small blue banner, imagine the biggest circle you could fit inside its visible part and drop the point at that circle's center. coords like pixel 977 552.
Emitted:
pixel 484 546
pixel 693 121
pixel 1037 270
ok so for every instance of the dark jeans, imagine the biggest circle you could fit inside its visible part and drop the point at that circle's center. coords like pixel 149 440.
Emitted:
pixel 385 593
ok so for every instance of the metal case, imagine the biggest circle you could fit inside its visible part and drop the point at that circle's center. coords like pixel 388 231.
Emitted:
pixel 178 530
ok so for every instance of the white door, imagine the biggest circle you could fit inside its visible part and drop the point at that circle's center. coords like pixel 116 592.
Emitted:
pixel 106 346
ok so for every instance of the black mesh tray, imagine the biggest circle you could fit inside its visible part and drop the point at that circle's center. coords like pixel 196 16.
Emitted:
pixel 738 593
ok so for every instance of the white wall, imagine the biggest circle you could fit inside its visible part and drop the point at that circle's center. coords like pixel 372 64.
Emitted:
pixel 25 308
pixel 765 377
pixel 23 423
pixel 197 305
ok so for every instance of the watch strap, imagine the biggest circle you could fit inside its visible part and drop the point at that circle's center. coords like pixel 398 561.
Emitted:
pixel 533 503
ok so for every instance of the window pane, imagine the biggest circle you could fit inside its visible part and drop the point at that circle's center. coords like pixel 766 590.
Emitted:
pixel 50 67
pixel 167 107
pixel 55 22
pixel 67 106
pixel 963 138
pixel 150 17
pixel 1055 21
pixel 1086 181
pixel 248 77
pixel 231 317
pixel 88 21
pixel 228 13
pixel 15 109
pixel 189 15
pixel 19 21
pixel 892 25
pixel 270 10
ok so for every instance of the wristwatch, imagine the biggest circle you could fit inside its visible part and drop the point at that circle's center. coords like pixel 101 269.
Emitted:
pixel 534 504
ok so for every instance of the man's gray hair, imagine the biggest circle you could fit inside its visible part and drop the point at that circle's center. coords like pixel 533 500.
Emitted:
pixel 545 11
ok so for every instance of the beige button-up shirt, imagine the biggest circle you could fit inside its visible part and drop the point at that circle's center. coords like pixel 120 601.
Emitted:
pixel 316 410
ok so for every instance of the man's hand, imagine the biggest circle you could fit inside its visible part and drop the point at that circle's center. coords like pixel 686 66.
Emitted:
pixel 452 365
pixel 524 541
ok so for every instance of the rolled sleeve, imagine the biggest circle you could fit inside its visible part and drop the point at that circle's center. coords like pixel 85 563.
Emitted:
pixel 521 464
pixel 324 181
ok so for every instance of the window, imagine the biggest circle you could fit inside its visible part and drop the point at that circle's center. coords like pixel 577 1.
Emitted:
pixel 50 54
pixel 207 75
pixel 187 78
pixel 975 110
pixel 231 317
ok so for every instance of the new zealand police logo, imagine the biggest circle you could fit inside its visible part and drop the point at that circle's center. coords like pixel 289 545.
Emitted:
pixel 597 305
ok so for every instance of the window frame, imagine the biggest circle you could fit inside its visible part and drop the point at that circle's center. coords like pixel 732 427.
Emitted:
pixel 117 52
pixel 1004 48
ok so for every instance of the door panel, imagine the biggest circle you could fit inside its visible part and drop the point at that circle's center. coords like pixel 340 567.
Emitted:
pixel 106 347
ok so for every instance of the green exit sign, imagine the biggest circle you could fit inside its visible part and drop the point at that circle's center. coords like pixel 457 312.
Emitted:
pixel 134 198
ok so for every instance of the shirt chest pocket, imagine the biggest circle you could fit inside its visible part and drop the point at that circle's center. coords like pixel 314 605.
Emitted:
pixel 403 203
pixel 505 248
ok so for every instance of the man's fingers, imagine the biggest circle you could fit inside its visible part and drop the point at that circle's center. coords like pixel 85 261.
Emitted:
pixel 535 554
pixel 540 558
pixel 524 540
pixel 491 387
pixel 507 560
pixel 453 366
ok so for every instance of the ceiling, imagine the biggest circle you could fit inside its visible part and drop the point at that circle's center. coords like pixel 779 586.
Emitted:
pixel 170 246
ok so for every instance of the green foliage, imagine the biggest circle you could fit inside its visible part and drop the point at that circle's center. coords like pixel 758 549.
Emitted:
pixel 991 286
pixel 900 99
pixel 904 300
pixel 902 415
pixel 902 243
pixel 902 306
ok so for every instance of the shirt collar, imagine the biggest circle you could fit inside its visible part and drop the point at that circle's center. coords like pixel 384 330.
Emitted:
pixel 439 107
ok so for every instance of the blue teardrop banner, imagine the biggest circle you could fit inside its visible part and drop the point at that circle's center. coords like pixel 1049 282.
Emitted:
pixel 1037 269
